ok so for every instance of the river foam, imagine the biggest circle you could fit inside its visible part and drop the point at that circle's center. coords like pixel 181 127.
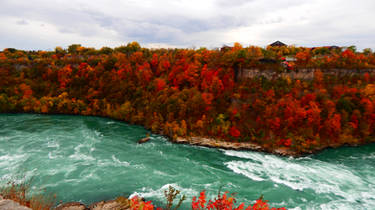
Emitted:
pixel 304 174
pixel 92 159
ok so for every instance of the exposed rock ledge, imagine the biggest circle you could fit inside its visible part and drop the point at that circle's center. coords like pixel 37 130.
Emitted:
pixel 214 143
pixel 6 204
pixel 121 203
pixel 102 205
pixel 282 151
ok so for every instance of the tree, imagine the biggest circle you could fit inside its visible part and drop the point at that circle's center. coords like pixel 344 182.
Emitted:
pixel 73 49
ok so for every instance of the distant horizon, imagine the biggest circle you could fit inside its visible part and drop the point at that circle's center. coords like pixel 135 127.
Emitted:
pixel 43 25
pixel 177 47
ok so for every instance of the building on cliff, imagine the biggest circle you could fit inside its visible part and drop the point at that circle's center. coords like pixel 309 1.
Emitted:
pixel 278 44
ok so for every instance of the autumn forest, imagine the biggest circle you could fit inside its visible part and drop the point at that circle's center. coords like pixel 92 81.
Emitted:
pixel 195 92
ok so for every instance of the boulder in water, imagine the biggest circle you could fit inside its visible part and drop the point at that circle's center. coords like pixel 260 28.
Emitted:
pixel 144 140
pixel 71 206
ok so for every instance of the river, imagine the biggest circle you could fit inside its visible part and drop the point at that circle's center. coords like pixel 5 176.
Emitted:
pixel 89 159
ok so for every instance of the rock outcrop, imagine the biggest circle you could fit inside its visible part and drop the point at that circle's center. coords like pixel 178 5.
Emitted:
pixel 71 206
pixel 6 204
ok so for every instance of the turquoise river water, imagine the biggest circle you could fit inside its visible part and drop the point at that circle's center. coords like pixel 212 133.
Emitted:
pixel 89 159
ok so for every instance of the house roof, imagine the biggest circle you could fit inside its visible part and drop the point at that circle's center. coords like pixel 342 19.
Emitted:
pixel 225 48
pixel 277 44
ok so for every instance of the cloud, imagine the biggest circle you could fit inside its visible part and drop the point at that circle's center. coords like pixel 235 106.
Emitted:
pixel 233 3
pixel 22 22
pixel 185 23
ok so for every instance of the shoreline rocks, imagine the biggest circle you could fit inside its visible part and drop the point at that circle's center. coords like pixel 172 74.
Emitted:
pixel 111 204
pixel 214 143
pixel 71 206
pixel 6 204
pixel 120 203
pixel 248 146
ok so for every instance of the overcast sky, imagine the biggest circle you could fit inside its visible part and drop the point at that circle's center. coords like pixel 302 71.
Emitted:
pixel 45 24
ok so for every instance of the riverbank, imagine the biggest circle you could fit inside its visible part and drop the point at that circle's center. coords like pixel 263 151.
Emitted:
pixel 174 93
pixel 214 143
pixel 119 203
pixel 7 204
pixel 222 144
pixel 246 146
pixel 136 203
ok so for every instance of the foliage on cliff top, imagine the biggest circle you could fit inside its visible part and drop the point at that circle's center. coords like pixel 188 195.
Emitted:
pixel 186 92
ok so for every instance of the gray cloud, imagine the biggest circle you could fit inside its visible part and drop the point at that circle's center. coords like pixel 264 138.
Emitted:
pixel 22 22
pixel 185 22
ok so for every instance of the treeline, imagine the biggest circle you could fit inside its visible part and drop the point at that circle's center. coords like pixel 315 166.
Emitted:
pixel 187 92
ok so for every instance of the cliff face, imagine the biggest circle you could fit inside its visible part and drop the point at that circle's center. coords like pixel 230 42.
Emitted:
pixel 304 74
pixel 318 101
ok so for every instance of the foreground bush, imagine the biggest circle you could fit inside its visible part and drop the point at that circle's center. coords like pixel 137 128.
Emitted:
pixel 225 202
pixel 221 202
pixel 20 193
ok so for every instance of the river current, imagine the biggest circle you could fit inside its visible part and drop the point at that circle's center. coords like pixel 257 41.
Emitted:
pixel 90 159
